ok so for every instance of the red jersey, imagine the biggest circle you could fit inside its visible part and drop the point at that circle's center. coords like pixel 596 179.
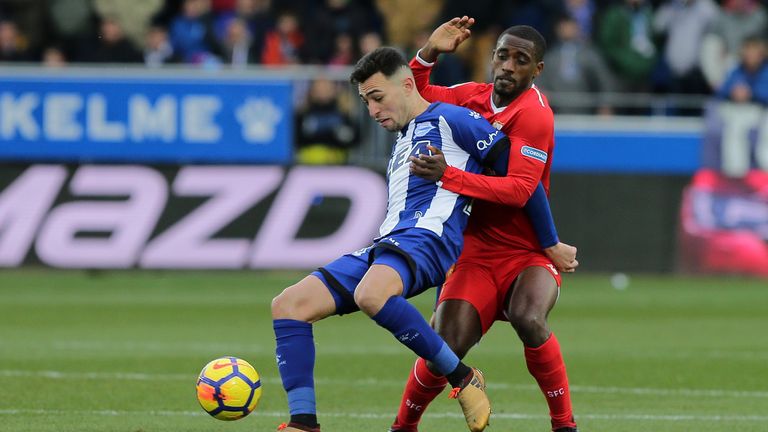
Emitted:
pixel 498 220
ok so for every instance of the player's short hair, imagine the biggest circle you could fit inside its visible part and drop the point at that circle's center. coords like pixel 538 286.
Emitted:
pixel 386 60
pixel 528 33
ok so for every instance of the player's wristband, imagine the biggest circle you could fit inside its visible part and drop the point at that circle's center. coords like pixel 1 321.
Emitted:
pixel 422 61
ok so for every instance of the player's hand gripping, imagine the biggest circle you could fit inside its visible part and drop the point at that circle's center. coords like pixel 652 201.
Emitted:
pixel 446 38
pixel 563 256
pixel 429 166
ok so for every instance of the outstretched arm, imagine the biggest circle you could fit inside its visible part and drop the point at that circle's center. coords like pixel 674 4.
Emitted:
pixel 445 39
pixel 536 205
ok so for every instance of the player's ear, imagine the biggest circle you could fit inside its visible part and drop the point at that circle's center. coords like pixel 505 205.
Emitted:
pixel 409 85
pixel 539 69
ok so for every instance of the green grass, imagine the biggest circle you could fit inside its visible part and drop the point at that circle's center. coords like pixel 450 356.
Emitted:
pixel 119 351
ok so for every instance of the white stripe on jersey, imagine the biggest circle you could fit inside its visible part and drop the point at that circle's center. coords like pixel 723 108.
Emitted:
pixel 398 180
pixel 541 101
pixel 441 207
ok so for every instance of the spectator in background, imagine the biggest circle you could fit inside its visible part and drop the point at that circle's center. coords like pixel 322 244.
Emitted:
pixel 345 52
pixel 572 67
pixel 324 132
pixel 539 14
pixel 191 33
pixel 736 20
pixel 282 44
pixel 684 23
pixel 748 82
pixel 368 42
pixel 13 45
pixel 256 15
pixel 238 49
pixel 625 41
pixel 112 46
pixel 583 12
pixel 54 57
pixel 333 18
pixel 158 50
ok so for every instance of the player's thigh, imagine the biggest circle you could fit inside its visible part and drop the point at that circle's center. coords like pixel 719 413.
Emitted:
pixel 308 300
pixel 458 323
pixel 533 294
pixel 470 286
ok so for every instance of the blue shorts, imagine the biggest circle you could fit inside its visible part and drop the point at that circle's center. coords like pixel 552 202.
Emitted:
pixel 419 256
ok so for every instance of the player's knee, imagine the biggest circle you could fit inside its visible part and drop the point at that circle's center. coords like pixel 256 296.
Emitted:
pixel 280 306
pixel 527 320
pixel 369 301
pixel 288 306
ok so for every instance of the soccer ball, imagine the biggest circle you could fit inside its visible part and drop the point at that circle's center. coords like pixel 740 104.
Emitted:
pixel 228 388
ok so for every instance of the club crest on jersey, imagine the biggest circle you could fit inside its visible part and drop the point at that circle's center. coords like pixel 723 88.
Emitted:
pixel 497 125
pixel 534 153
pixel 475 115
pixel 422 129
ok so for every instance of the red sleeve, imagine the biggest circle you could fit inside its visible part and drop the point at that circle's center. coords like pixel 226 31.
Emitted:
pixel 530 144
pixel 421 71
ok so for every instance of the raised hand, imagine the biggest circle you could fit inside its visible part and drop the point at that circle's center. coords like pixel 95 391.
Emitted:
pixel 447 38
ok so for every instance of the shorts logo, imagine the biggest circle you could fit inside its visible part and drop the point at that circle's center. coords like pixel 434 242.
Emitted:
pixel 534 153
pixel 362 251
pixel 391 240
pixel 552 269
pixel 484 144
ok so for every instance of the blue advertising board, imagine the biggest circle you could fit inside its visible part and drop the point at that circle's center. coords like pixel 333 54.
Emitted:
pixel 145 119
pixel 628 151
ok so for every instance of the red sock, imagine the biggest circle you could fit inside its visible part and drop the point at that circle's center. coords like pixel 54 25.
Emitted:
pixel 545 363
pixel 422 388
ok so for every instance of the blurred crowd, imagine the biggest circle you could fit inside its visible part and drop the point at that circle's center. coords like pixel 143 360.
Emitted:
pixel 598 48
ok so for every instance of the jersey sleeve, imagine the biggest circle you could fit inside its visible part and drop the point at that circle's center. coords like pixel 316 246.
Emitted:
pixel 528 154
pixel 476 136
pixel 421 73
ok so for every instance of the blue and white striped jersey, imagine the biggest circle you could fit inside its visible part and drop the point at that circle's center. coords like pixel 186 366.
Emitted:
pixel 466 139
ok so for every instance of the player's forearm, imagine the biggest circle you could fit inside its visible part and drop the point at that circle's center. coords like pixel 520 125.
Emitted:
pixel 421 73
pixel 511 191
pixel 428 53
pixel 538 211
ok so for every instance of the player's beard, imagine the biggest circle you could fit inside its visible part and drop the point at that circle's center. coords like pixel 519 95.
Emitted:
pixel 511 89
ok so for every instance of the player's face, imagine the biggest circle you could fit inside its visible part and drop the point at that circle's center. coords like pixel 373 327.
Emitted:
pixel 514 67
pixel 385 99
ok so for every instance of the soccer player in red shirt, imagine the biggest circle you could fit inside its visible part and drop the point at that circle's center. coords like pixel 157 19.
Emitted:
pixel 502 273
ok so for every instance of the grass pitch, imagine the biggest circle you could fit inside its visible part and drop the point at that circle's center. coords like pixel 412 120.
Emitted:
pixel 120 351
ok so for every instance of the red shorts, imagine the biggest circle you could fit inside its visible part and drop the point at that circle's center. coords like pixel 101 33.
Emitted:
pixel 484 283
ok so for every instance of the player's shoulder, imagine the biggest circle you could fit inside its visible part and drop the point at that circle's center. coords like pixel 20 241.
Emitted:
pixel 471 90
pixel 534 103
pixel 458 116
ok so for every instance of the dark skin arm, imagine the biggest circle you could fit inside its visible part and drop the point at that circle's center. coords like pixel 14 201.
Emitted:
pixel 432 167
pixel 429 166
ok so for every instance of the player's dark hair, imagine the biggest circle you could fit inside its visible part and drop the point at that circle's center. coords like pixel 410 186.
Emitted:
pixel 386 60
pixel 528 33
